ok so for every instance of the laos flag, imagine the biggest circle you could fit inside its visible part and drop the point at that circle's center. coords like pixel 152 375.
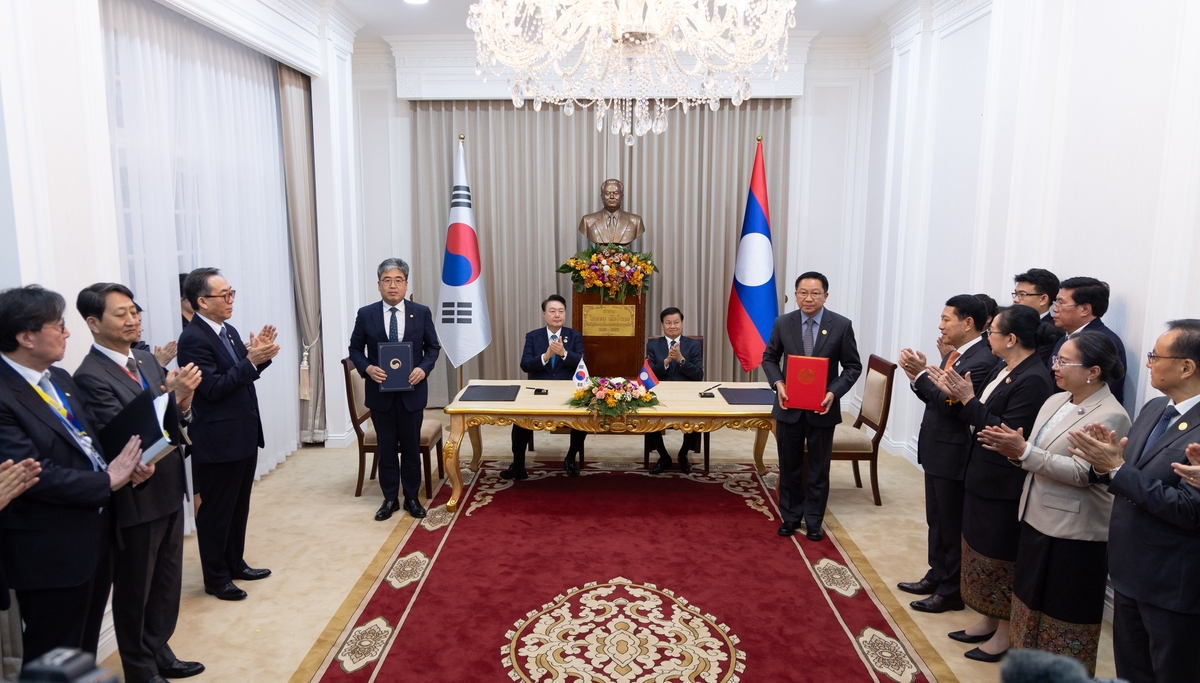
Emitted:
pixel 646 376
pixel 753 305
pixel 462 321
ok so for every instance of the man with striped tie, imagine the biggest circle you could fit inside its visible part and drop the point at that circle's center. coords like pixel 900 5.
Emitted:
pixel 551 352
pixel 942 448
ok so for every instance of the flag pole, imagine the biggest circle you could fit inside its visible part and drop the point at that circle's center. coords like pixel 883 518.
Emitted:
pixel 461 138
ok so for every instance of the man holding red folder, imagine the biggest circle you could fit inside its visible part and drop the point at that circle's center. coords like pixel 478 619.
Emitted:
pixel 813 332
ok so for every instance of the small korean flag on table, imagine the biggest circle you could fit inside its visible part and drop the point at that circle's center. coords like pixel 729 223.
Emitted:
pixel 581 374
pixel 646 376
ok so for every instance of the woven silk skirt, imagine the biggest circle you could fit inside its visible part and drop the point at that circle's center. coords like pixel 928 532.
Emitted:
pixel 991 536
pixel 1058 595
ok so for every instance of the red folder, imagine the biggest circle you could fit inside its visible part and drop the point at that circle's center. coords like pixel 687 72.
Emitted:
pixel 805 383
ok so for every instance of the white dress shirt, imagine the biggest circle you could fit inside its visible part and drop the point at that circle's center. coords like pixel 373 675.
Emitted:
pixel 117 358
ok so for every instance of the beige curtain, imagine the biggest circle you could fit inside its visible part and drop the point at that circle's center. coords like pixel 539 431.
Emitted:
pixel 533 174
pixel 295 112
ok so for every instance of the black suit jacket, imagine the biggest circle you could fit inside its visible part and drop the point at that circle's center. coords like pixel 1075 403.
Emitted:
pixel 944 441
pixel 536 343
pixel 1154 532
pixel 364 350
pixel 1015 402
pixel 50 534
pixel 226 425
pixel 108 389
pixel 1097 325
pixel 692 369
pixel 835 341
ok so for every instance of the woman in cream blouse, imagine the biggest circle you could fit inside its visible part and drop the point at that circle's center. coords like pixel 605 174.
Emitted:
pixel 1061 570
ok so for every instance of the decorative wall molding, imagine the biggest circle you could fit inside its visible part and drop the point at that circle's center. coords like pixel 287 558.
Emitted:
pixel 951 15
pixel 443 67
pixel 907 19
pixel 838 53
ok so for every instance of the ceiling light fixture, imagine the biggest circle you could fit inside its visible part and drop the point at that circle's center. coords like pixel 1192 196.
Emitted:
pixel 620 56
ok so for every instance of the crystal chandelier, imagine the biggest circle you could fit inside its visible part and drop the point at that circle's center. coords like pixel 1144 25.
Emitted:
pixel 626 58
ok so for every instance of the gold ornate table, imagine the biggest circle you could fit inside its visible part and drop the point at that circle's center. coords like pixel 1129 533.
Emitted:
pixel 680 408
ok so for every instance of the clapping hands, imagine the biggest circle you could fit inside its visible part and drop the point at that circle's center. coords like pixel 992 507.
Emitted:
pixel 913 363
pixel 949 382
pixel 1098 445
pixel 17 478
pixel 1190 472
pixel 263 347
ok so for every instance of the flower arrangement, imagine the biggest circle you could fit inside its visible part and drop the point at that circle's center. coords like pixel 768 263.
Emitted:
pixel 612 397
pixel 613 270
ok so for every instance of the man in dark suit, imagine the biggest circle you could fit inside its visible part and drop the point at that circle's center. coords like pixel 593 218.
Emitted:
pixel 1037 288
pixel 1154 531
pixel 942 448
pixel 674 357
pixel 148 558
pixel 185 307
pixel 54 538
pixel 1080 303
pixel 397 416
pixel 811 331
pixel 551 352
pixel 226 430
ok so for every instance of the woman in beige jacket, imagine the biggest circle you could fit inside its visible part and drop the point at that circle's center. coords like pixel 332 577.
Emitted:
pixel 1061 569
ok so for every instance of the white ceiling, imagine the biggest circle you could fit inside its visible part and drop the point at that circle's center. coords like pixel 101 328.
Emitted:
pixel 395 17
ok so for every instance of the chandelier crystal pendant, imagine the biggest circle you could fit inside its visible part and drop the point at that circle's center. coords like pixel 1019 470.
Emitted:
pixel 632 60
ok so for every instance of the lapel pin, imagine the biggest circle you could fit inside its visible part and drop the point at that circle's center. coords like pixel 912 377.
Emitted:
pixel 1008 380
pixel 1182 425
pixel 824 331
pixel 1082 411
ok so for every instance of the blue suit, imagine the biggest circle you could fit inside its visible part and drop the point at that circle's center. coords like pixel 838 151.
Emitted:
pixel 226 433
pixel 396 416
pixel 536 343
pixel 691 370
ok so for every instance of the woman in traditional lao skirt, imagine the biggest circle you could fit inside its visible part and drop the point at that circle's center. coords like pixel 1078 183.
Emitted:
pixel 1012 395
pixel 1058 595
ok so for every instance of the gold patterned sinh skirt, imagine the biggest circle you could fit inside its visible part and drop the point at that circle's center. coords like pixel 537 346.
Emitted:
pixel 991 534
pixel 1058 595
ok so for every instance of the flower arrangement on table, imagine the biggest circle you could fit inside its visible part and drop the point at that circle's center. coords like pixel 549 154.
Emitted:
pixel 612 397
pixel 610 269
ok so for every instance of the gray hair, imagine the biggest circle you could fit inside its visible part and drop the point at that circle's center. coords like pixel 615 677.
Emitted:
pixel 392 264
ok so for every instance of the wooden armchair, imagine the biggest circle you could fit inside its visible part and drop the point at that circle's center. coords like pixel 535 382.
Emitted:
pixel 851 442
pixel 431 433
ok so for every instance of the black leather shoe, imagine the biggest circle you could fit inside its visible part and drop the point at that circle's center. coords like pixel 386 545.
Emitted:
pixel 684 465
pixel 413 507
pixel 179 669
pixel 963 637
pixel 517 474
pixel 922 587
pixel 226 592
pixel 981 656
pixel 788 528
pixel 252 574
pixel 570 466
pixel 937 604
pixel 814 534
pixel 661 466
pixel 385 511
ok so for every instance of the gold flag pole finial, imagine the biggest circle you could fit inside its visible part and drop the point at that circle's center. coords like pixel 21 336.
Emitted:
pixel 462 137
pixel 760 138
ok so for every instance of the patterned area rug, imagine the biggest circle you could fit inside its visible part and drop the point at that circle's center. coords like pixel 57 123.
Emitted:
pixel 618 576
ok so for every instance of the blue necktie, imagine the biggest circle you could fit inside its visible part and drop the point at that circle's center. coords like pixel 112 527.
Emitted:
pixel 808 336
pixel 1161 428
pixel 224 335
pixel 554 358
pixel 393 328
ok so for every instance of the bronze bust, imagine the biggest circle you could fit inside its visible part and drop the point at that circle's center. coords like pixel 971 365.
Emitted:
pixel 611 225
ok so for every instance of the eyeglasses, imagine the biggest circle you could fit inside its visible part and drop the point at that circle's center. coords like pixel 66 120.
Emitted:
pixel 61 325
pixel 393 280
pixel 808 295
pixel 1055 360
pixel 1024 295
pixel 990 331
pixel 1062 304
pixel 1152 357
pixel 227 296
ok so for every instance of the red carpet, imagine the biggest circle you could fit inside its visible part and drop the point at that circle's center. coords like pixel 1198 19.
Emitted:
pixel 622 577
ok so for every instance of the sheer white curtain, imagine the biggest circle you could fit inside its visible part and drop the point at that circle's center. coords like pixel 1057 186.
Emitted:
pixel 198 164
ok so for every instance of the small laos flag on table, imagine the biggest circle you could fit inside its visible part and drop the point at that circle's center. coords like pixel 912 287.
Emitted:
pixel 753 305
pixel 463 325
pixel 646 376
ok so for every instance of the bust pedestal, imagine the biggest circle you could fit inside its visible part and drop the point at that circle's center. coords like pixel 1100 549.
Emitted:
pixel 614 333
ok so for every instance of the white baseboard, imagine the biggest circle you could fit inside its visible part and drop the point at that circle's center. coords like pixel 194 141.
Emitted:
pixel 342 440
pixel 108 634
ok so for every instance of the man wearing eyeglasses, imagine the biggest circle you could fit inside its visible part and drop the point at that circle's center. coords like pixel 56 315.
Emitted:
pixel 811 331
pixel 226 429
pixel 1078 307
pixel 1154 530
pixel 1037 288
